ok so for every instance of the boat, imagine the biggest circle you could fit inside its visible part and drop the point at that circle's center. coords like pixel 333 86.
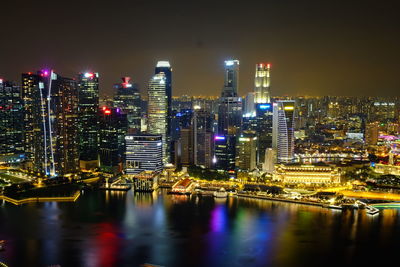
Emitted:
pixel 372 210
pixel 332 206
pixel 221 193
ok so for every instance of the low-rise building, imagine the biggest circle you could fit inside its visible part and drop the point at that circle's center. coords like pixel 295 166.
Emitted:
pixel 308 174
pixel 146 181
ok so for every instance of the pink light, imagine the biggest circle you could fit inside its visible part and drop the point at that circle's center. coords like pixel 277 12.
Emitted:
pixel 268 65
pixel 104 108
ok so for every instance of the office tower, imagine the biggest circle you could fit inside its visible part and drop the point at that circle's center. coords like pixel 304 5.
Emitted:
pixel 164 67
pixel 264 116
pixel 143 153
pixel 230 115
pixel 113 128
pixel 128 99
pixel 249 104
pixel 270 160
pixel 11 120
pixel 88 130
pixel 262 83
pixel 184 148
pixel 372 133
pixel 231 80
pixel 158 111
pixel 202 138
pixel 246 151
pixel 51 110
pixel 283 130
pixel 224 149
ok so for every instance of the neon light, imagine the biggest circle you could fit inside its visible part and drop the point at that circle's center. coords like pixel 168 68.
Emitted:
pixel 288 108
pixel 265 106
pixel 231 62
pixel 107 111
pixel 89 75
pixel 163 64
pixel 53 170
pixel 1 80
pixel 219 138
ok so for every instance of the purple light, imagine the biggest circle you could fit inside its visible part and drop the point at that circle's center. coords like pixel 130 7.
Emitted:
pixel 219 138
pixel 118 110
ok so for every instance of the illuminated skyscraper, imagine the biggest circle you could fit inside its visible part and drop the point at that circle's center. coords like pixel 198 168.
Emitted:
pixel 143 153
pixel 51 111
pixel 283 130
pixel 113 128
pixel 88 90
pixel 262 83
pixel 128 100
pixel 164 67
pixel 246 151
pixel 264 119
pixel 158 111
pixel 231 80
pixel 11 119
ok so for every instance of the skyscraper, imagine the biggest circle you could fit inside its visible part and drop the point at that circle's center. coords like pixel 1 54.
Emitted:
pixel 128 100
pixel 113 128
pixel 143 153
pixel 51 110
pixel 224 149
pixel 11 119
pixel 88 131
pixel 262 83
pixel 283 130
pixel 202 138
pixel 231 80
pixel 164 67
pixel 264 115
pixel 246 151
pixel 158 111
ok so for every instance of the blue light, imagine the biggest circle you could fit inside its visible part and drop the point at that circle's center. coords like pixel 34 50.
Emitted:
pixel 265 106
pixel 179 114
pixel 219 138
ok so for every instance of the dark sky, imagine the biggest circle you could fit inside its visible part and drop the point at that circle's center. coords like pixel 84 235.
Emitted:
pixel 316 47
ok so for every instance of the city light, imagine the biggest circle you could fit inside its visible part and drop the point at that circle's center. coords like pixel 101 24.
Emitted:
pixel 219 138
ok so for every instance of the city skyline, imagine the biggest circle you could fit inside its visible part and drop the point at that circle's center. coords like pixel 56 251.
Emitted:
pixel 315 48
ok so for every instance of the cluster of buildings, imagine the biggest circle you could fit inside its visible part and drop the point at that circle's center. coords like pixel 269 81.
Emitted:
pixel 57 126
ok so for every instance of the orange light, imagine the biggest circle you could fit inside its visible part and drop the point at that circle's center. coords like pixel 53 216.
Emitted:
pixel 107 111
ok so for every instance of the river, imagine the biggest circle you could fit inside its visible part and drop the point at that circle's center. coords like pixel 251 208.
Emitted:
pixel 129 229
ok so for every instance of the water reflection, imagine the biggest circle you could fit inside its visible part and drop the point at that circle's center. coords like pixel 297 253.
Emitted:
pixel 129 229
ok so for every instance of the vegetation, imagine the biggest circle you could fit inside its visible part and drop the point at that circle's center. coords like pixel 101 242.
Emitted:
pixel 206 174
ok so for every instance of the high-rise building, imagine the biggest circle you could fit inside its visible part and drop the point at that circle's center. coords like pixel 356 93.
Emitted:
pixel 262 83
pixel 224 149
pixel 202 138
pixel 283 130
pixel 113 128
pixel 11 119
pixel 164 67
pixel 270 160
pixel 143 153
pixel 246 151
pixel 230 115
pixel 128 99
pixel 372 133
pixel 231 80
pixel 184 147
pixel 88 130
pixel 264 130
pixel 249 108
pixel 51 111
pixel 158 111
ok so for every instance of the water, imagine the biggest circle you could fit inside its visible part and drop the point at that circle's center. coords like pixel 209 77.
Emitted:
pixel 127 229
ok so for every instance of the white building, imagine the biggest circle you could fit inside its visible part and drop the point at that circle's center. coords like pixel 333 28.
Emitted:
pixel 283 130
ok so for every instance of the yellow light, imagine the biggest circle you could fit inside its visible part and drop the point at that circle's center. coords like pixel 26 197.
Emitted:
pixel 289 108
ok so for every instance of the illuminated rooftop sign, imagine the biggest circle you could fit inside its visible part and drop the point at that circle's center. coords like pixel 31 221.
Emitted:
pixel 219 138
pixel 163 64
pixel 231 62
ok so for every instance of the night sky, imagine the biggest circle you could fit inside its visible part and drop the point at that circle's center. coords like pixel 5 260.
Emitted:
pixel 315 47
